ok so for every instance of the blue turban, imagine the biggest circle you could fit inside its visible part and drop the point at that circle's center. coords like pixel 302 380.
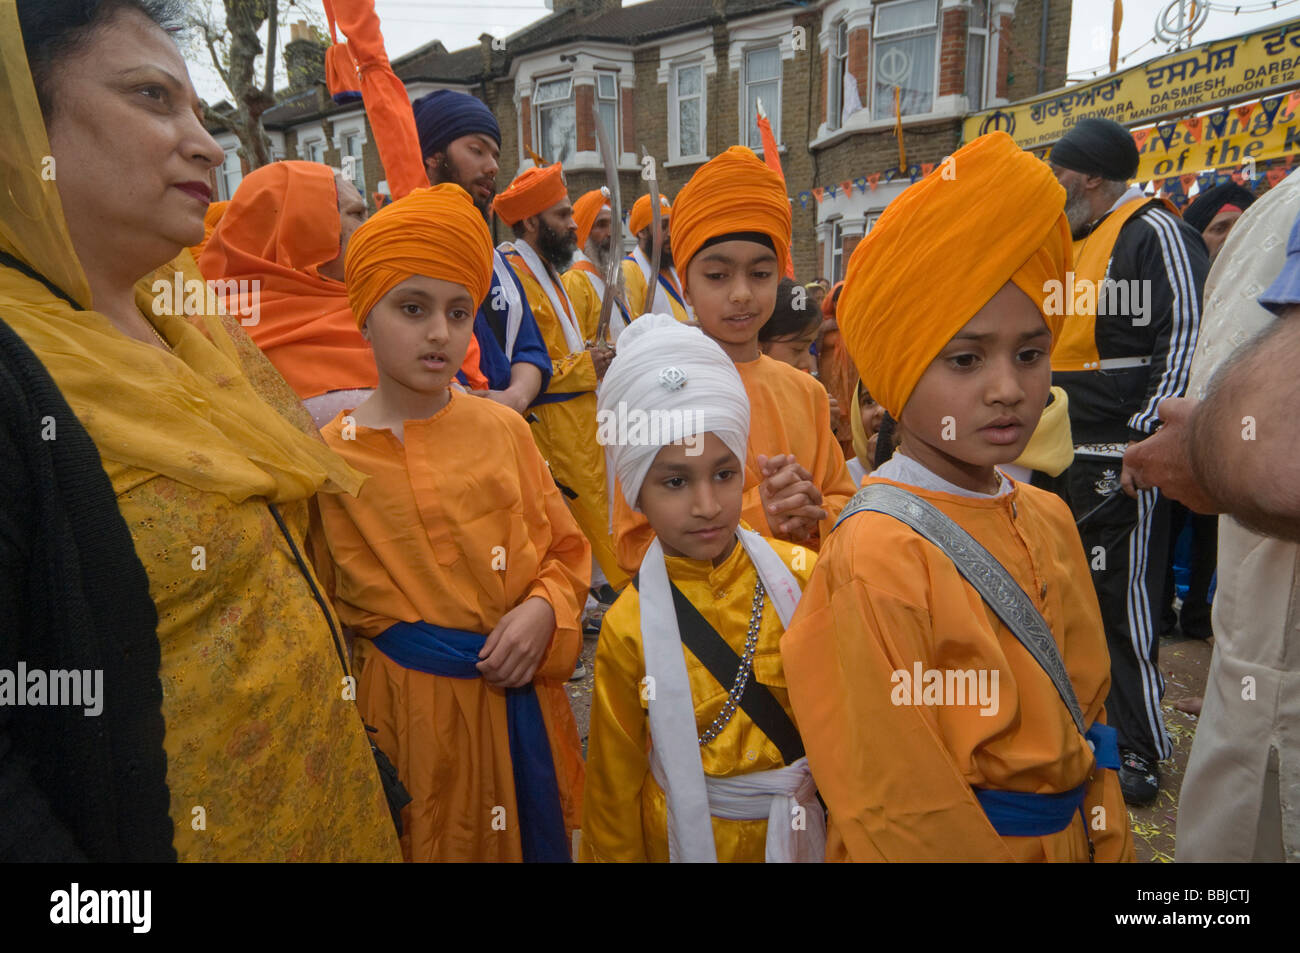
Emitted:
pixel 446 115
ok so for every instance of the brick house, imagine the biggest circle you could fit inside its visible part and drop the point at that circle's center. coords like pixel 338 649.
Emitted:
pixel 681 78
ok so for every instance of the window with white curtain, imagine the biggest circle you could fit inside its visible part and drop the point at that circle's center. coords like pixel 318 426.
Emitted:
pixel 837 251
pixel 229 177
pixel 688 110
pixel 762 81
pixel 977 46
pixel 839 66
pixel 353 146
pixel 607 103
pixel 556 119
pixel 314 151
pixel 905 43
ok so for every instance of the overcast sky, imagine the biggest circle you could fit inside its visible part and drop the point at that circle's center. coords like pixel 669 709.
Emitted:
pixel 408 24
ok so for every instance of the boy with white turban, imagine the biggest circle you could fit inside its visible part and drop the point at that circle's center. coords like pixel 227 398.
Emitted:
pixel 693 754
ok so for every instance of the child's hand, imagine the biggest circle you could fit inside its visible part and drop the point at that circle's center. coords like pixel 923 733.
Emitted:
pixel 837 418
pixel 514 649
pixel 791 500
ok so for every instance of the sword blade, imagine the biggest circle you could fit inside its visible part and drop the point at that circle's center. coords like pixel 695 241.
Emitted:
pixel 614 270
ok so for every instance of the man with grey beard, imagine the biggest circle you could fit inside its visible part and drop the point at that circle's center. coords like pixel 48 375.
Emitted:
pixel 585 281
pixel 1132 310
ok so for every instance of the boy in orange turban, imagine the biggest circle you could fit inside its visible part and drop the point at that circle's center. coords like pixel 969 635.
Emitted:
pixel 933 727
pixel 463 572
pixel 731 234
pixel 668 297
pixel 537 208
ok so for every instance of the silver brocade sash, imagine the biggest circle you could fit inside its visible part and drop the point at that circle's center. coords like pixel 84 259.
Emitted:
pixel 978 567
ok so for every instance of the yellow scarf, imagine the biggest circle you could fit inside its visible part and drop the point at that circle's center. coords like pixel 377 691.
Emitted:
pixel 190 415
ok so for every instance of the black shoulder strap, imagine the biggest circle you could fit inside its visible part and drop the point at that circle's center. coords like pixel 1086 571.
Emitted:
pixel 10 261
pixel 757 700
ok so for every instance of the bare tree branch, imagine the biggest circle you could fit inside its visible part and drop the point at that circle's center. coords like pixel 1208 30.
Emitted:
pixel 212 50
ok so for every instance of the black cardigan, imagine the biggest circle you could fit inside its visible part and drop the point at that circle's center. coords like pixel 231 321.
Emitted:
pixel 73 595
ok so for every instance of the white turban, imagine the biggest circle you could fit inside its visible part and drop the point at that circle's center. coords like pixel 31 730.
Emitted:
pixel 668 383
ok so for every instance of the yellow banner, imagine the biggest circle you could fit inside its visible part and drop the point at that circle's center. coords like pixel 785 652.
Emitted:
pixel 1256 140
pixel 1248 66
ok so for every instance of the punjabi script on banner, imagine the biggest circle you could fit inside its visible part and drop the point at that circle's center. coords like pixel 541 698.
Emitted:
pixel 1238 68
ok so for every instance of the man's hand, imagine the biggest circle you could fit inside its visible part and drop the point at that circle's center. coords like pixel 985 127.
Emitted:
pixel 1164 459
pixel 837 417
pixel 514 649
pixel 601 356
pixel 508 397
pixel 791 501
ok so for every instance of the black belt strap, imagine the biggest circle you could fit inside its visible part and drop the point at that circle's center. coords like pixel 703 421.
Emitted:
pixel 722 662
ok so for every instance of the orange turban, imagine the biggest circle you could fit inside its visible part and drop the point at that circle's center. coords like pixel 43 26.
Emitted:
pixel 586 210
pixel 532 192
pixel 210 219
pixel 940 251
pixel 642 215
pixel 437 232
pixel 733 192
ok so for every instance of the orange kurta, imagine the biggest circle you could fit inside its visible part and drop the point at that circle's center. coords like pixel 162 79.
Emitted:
pixel 789 413
pixel 897 778
pixel 444 534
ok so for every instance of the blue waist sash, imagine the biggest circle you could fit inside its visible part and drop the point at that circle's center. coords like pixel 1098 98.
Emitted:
pixel 557 398
pixel 453 653
pixel 1024 814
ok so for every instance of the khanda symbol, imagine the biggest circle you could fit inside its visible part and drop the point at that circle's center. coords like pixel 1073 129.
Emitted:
pixel 999 120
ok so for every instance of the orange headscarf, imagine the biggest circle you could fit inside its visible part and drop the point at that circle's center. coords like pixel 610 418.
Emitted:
pixel 532 192
pixel 642 215
pixel 586 210
pixel 941 250
pixel 733 192
pixel 437 232
pixel 282 223
pixel 210 219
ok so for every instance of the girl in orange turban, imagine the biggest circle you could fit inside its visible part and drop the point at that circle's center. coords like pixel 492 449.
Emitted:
pixel 462 572
pixel 943 312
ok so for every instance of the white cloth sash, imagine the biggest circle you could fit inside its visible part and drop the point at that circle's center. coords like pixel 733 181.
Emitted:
pixel 559 298
pixel 675 752
pixel 514 303
pixel 616 321
pixel 663 301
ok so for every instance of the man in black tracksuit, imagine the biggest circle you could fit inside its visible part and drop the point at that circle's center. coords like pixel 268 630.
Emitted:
pixel 1147 268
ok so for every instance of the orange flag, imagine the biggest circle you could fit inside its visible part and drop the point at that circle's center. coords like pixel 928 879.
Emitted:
pixel 1194 128
pixel 1140 137
pixel 1243 114
pixel 1116 21
pixel 387 105
pixel 772 159
pixel 873 180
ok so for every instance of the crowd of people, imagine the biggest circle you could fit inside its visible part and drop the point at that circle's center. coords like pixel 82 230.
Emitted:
pixel 875 571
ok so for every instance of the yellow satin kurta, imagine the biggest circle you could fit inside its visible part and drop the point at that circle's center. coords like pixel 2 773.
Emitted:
pixel 446 534
pixel 634 284
pixel 586 303
pixel 624 811
pixel 897 779
pixel 565 432
pixel 789 412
